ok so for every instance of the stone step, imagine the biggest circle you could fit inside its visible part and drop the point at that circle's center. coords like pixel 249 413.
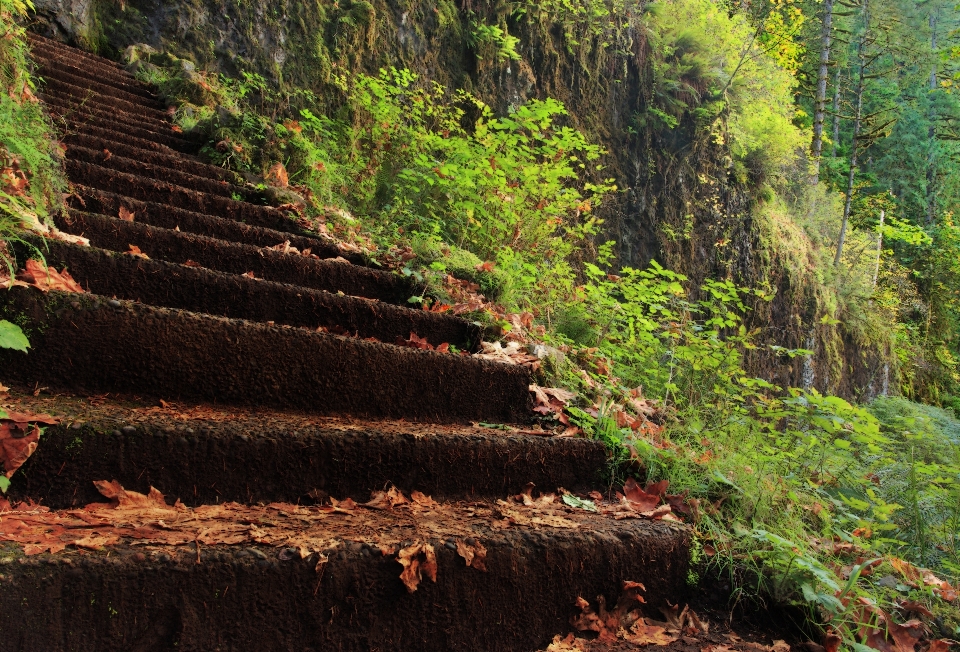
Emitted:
pixel 347 595
pixel 70 110
pixel 206 185
pixel 203 454
pixel 51 58
pixel 137 187
pixel 83 93
pixel 51 72
pixel 107 203
pixel 200 290
pixel 180 247
pixel 93 343
pixel 75 53
pixel 179 162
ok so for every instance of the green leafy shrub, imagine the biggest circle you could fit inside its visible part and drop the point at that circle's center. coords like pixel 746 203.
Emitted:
pixel 32 180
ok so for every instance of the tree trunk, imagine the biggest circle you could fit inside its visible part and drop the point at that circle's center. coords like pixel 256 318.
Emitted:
pixel 858 114
pixel 836 114
pixel 876 266
pixel 820 103
pixel 932 130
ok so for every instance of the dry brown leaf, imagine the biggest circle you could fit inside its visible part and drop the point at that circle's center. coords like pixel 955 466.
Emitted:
pixel 14 449
pixel 568 644
pixel 386 499
pixel 45 279
pixel 192 263
pixel 417 559
pixel 277 175
pixel 643 634
pixel 475 554
pixel 134 250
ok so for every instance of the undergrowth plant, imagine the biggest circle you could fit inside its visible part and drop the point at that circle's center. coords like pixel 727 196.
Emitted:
pixel 31 175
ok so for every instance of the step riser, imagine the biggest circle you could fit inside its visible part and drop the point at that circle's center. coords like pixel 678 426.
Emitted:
pixel 160 283
pixel 173 354
pixel 357 603
pixel 53 44
pixel 167 217
pixel 55 76
pixel 179 247
pixel 179 163
pixel 209 465
pixel 165 193
pixel 158 173
pixel 53 67
pixel 54 85
pixel 80 120
pixel 73 110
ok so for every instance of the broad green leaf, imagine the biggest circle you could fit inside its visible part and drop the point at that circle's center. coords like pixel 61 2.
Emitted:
pixel 12 337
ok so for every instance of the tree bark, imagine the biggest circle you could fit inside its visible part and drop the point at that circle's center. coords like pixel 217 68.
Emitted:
pixel 876 266
pixel 820 103
pixel 932 129
pixel 858 114
pixel 836 113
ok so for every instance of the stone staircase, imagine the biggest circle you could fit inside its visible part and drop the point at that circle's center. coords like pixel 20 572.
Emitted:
pixel 216 387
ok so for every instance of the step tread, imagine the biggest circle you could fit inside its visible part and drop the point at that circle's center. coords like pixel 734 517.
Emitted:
pixel 171 194
pixel 51 70
pixel 93 200
pixel 201 453
pixel 90 342
pixel 263 596
pixel 205 291
pixel 230 257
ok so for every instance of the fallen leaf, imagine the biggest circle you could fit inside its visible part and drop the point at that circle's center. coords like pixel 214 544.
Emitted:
pixel 45 279
pixel 277 175
pixel 16 445
pixel 417 559
pixel 248 275
pixel 916 607
pixel 569 644
pixel 192 263
pixel 640 500
pixel 386 499
pixel 644 634
pixel 126 215
pixel 475 554
pixel 831 641
pixel 134 250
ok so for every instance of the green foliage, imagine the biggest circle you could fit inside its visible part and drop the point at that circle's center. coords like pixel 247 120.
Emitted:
pixel 709 65
pixel 28 152
pixel 12 337
pixel 496 40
